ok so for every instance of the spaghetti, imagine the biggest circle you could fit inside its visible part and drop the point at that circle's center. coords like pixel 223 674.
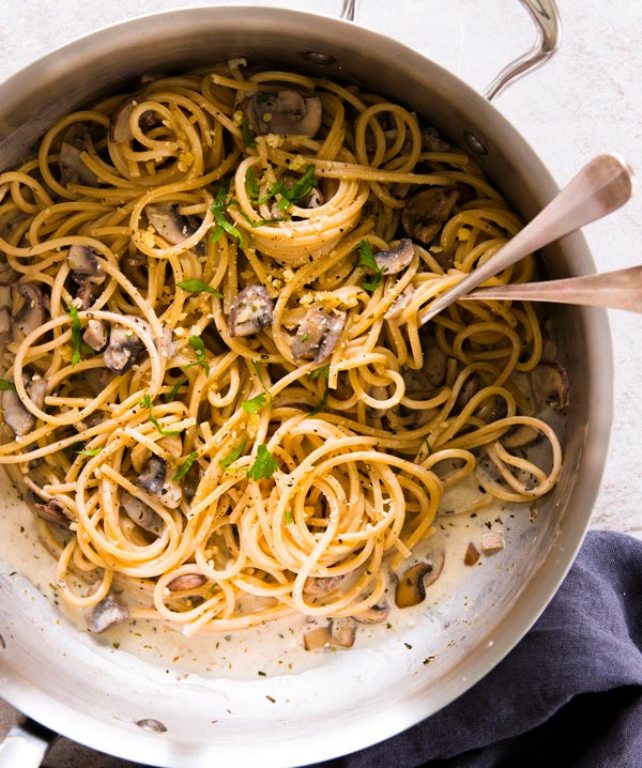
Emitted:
pixel 217 391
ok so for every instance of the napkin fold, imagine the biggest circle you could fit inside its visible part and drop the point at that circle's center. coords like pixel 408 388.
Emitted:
pixel 568 696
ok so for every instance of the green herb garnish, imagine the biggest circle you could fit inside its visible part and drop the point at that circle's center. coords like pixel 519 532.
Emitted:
pixel 219 209
pixel 251 185
pixel 146 402
pixel 89 452
pixel 198 286
pixel 76 335
pixel 264 465
pixel 234 454
pixel 254 404
pixel 367 259
pixel 428 446
pixel 171 395
pixel 288 517
pixel 196 343
pixel 324 371
pixel 248 139
pixel 186 465
pixel 5 384
pixel 322 403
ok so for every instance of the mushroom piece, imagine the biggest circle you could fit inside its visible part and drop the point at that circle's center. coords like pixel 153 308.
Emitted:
pixel 72 168
pixel 53 512
pixel 492 541
pixel 425 213
pixel 286 112
pixel 16 416
pixel 251 311
pixel 31 314
pixel 106 613
pixel 37 391
pixel 431 141
pixel 6 329
pixel 318 586
pixel 550 386
pixel 124 346
pixel 375 614
pixel 95 335
pixel 168 222
pixel 83 262
pixel 469 389
pixel 395 261
pixel 152 476
pixel 318 334
pixel 141 514
pixel 186 581
pixel 321 637
pixel 472 554
pixel 119 128
pixel 436 365
pixel 411 587
pixel 400 303
pixel 343 632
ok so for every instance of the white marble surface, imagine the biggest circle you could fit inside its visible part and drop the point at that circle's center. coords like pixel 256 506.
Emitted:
pixel 586 100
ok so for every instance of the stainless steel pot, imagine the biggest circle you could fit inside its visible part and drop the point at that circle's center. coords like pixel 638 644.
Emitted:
pixel 62 678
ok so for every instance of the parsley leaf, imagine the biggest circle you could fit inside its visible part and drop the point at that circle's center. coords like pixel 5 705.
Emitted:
pixel 146 402
pixel 254 404
pixel 264 465
pixel 197 286
pixel 76 335
pixel 5 384
pixel 219 209
pixel 251 185
pixel 367 259
pixel 322 403
pixel 171 395
pixel 89 452
pixel 324 371
pixel 233 455
pixel 196 343
pixel 299 190
pixel 248 139
pixel 186 465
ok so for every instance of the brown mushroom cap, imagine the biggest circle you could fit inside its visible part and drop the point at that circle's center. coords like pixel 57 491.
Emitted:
pixel 425 213
pixel 411 587
pixel 286 112
pixel 251 311
pixel 549 383
pixel 141 514
pixel 391 262
pixel 83 262
pixel 318 334
pixel 472 554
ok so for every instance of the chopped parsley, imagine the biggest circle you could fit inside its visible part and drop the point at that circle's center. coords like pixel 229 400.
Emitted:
pixel 5 384
pixel 171 395
pixel 146 402
pixel 198 286
pixel 288 517
pixel 248 139
pixel 254 404
pixel 186 465
pixel 324 371
pixel 223 224
pixel 89 452
pixel 76 335
pixel 367 259
pixel 264 465
pixel 322 403
pixel 251 185
pixel 233 455
pixel 294 194
pixel 196 343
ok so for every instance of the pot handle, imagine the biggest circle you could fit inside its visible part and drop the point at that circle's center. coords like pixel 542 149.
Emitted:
pixel 25 745
pixel 547 23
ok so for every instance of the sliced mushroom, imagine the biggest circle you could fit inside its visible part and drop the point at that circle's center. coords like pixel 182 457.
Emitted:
pixel 411 587
pixel 318 334
pixel 168 222
pixel 251 311
pixel 166 345
pixel 315 199
pixel 124 346
pixel 375 614
pixel 343 632
pixel 472 554
pixel 83 262
pixel 186 581
pixel 6 328
pixel 141 514
pixel 436 365
pixel 72 168
pixel 492 541
pixel 426 212
pixel 31 314
pixel 37 391
pixel 400 303
pixel 16 416
pixel 95 335
pixel 119 128
pixel 318 586
pixel 152 476
pixel 286 112
pixel 469 389
pixel 521 436
pixel 321 637
pixel 106 613
pixel 395 261
pixel 53 512
pixel 431 141
pixel 550 386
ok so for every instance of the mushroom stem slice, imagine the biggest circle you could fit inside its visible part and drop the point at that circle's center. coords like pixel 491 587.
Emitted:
pixel 492 542
pixel 321 637
pixel 95 335
pixel 106 613
pixel 411 587
pixel 343 632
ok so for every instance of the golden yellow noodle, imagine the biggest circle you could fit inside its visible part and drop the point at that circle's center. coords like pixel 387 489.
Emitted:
pixel 282 471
